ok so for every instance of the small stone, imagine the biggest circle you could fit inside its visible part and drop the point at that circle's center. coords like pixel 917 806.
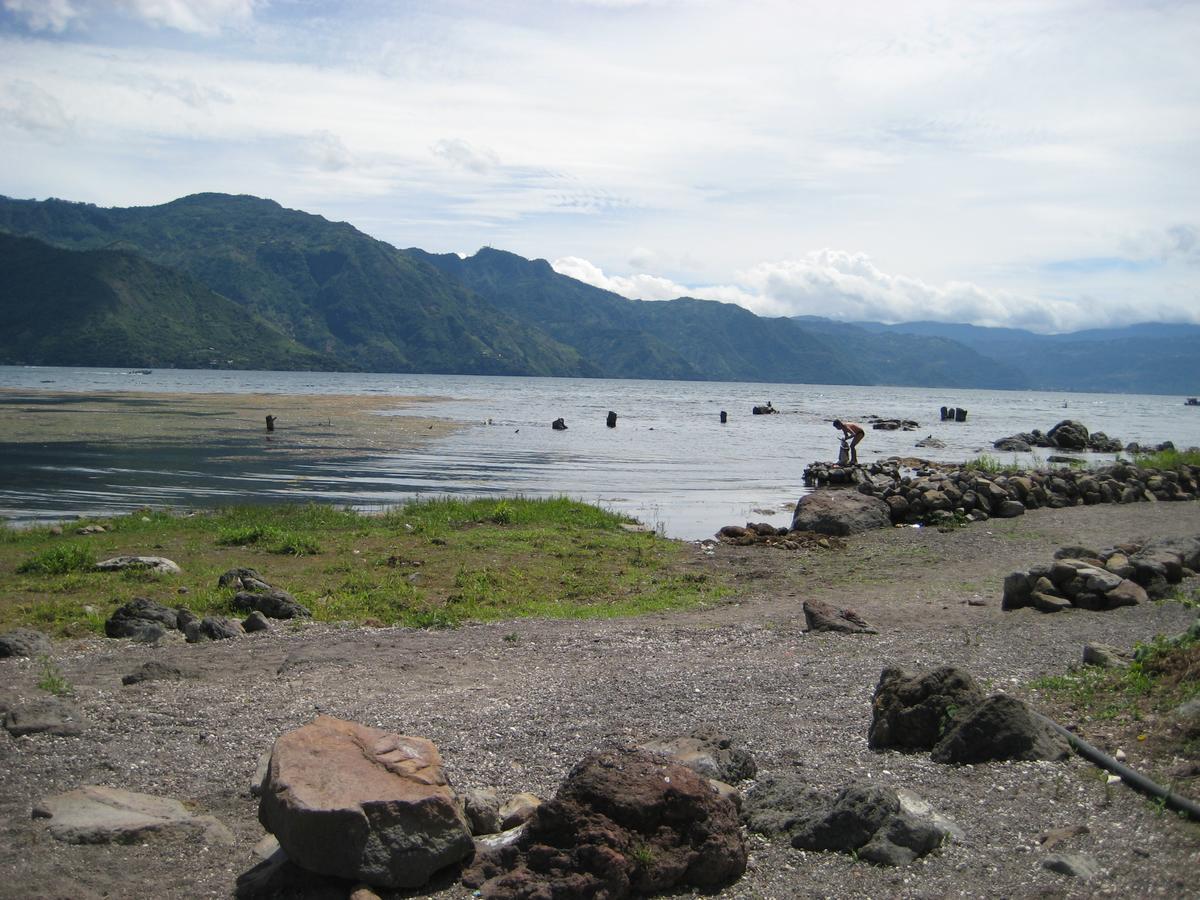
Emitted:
pixel 24 642
pixel 1074 865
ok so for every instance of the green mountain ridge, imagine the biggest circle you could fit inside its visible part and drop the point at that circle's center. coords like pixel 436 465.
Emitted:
pixel 325 284
pixel 114 308
pixel 352 302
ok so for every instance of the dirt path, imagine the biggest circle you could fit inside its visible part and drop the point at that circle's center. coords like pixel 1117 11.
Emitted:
pixel 514 705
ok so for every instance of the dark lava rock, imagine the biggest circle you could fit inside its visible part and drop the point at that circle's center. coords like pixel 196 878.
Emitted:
pixel 50 716
pixel 999 728
pixel 624 823
pixel 273 603
pixel 155 671
pixel 141 619
pixel 24 642
pixel 912 712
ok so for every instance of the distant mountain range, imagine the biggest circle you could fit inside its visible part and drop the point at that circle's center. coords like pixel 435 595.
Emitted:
pixel 240 282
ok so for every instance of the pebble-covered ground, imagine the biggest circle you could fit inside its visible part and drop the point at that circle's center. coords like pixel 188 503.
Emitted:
pixel 513 705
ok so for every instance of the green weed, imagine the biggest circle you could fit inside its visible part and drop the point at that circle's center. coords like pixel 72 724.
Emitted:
pixel 1167 459
pixel 52 679
pixel 59 560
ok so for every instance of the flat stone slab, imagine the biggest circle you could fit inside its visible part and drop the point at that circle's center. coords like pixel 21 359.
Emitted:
pixel 95 814
pixel 44 717
pixel 158 564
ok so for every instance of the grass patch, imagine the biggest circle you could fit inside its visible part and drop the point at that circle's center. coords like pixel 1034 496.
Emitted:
pixel 59 560
pixel 435 563
pixel 52 678
pixel 1167 459
pixel 1164 673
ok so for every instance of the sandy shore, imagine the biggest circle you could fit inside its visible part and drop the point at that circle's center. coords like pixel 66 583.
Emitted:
pixel 313 423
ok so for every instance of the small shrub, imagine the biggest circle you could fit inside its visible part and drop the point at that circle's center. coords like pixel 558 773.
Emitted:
pixel 60 560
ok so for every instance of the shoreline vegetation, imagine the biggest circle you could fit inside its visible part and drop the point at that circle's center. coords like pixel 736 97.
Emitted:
pixel 436 563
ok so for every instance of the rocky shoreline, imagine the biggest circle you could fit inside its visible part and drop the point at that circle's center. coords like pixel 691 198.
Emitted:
pixel 515 706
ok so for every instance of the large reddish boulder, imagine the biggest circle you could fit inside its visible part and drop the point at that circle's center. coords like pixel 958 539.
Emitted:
pixel 624 823
pixel 362 803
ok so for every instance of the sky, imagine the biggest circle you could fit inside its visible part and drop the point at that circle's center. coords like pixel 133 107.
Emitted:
pixel 1019 164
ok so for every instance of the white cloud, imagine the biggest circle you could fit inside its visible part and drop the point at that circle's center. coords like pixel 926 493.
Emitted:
pixel 849 287
pixel 44 15
pixel 196 16
pixel 33 110
pixel 325 150
pixel 463 155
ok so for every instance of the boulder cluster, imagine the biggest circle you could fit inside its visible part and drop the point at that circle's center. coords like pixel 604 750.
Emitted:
pixel 148 621
pixel 1125 575
pixel 946 713
pixel 1068 435
pixel 776 536
pixel 933 494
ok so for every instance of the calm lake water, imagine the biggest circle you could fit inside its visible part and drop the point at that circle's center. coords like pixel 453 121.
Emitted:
pixel 669 462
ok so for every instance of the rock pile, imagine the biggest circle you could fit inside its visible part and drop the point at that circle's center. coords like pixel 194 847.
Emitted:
pixel 147 621
pixel 781 536
pixel 882 825
pixel 1082 578
pixel 1067 435
pixel 945 712
pixel 929 495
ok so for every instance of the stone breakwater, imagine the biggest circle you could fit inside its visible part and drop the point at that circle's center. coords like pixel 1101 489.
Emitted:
pixel 927 494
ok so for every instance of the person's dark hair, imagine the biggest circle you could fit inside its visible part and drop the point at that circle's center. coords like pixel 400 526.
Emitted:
pixel 837 423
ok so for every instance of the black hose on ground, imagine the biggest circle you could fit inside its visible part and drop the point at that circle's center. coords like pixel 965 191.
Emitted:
pixel 1132 778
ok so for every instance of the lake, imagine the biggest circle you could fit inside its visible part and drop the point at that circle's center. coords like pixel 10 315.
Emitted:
pixel 669 462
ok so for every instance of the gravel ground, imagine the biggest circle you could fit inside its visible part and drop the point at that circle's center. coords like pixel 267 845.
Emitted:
pixel 514 705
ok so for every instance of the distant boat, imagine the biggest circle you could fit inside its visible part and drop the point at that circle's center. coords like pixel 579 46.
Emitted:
pixel 1192 401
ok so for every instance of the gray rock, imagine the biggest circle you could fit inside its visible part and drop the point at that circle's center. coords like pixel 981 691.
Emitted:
pixel 482 809
pixel 1018 592
pixel 241 579
pixel 900 840
pixel 95 814
pixel 141 619
pixel 1048 603
pixel 518 809
pixel 1000 728
pixel 213 628
pixel 778 802
pixel 1127 593
pixel 256 621
pixel 155 671
pixel 1009 509
pixel 821 616
pixel 848 821
pixel 840 512
pixel 1104 656
pixel 1187 717
pixel 274 603
pixel 159 564
pixel 707 751
pixel 1075 865
pixel 912 712
pixel 50 716
pixel 24 642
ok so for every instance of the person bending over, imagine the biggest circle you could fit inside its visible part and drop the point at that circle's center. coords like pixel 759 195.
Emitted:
pixel 854 433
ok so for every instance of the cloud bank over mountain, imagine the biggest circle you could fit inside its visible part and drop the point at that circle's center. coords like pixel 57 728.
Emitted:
pixel 1021 163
